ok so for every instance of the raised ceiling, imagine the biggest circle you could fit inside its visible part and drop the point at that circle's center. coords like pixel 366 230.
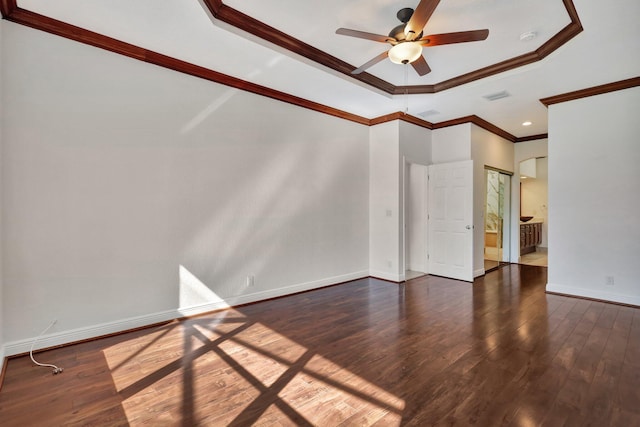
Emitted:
pixel 505 22
pixel 193 31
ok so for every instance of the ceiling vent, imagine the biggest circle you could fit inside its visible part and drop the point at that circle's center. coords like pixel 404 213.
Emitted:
pixel 497 95
pixel 428 113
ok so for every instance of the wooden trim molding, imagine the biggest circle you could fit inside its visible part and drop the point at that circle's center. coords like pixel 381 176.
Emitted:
pixel 532 137
pixel 13 13
pixel 478 122
pixel 7 6
pixel 402 117
pixel 40 22
pixel 259 29
pixel 596 90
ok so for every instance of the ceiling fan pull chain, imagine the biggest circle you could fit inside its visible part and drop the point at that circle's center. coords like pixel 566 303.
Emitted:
pixel 406 89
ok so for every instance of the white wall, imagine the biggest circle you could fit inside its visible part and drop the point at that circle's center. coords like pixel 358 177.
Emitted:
pixel 391 146
pixel 594 196
pixel 534 196
pixel 133 193
pixel 415 216
pixel 415 143
pixel 451 144
pixel 384 202
pixel 522 151
pixel 2 38
pixel 415 155
pixel 487 149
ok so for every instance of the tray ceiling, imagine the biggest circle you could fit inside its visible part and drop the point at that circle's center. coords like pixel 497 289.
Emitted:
pixel 187 30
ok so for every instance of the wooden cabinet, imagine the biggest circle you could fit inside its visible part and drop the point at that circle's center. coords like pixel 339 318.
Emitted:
pixel 530 237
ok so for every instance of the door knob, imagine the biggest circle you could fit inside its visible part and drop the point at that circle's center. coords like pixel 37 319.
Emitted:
pixel 468 227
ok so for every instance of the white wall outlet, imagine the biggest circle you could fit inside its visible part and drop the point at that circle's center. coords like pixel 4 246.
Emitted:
pixel 609 281
pixel 250 280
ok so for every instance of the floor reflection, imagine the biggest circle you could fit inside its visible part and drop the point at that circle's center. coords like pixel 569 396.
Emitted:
pixel 430 351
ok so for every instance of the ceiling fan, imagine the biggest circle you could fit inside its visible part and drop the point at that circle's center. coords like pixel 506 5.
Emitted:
pixel 407 39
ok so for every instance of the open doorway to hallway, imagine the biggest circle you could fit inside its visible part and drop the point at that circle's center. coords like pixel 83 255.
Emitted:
pixel 496 218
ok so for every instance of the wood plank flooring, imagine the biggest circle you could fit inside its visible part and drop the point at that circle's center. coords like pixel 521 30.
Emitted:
pixel 433 351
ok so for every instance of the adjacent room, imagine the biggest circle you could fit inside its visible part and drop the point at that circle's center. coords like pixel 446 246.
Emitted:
pixel 224 212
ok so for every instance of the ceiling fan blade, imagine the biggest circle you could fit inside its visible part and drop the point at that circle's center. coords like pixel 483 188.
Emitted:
pixel 421 66
pixel 370 63
pixel 365 35
pixel 419 19
pixel 450 38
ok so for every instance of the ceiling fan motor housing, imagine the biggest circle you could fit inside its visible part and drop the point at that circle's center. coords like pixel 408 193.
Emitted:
pixel 404 15
pixel 406 43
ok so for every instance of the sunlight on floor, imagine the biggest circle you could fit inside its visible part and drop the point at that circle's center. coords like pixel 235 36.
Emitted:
pixel 230 369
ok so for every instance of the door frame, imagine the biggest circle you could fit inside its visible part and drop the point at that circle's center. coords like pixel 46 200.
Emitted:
pixel 419 196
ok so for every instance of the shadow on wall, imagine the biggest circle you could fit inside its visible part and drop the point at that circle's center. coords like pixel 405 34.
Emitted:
pixel 281 224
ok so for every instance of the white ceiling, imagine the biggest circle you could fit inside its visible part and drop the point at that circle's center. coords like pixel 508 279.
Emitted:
pixel 606 51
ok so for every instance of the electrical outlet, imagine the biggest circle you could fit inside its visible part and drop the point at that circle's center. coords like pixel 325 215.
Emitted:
pixel 250 280
pixel 609 281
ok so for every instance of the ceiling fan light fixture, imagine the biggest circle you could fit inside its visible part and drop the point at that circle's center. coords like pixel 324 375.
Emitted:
pixel 405 53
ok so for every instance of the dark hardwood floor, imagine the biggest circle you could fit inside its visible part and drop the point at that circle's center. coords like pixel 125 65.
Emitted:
pixel 432 351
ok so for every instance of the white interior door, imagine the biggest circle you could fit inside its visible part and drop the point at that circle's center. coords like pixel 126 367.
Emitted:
pixel 450 220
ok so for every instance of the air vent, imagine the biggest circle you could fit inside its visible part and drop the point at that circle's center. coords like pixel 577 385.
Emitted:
pixel 428 113
pixel 497 95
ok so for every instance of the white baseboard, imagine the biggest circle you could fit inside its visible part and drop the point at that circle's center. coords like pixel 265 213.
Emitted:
pixel 272 293
pixel 479 272
pixel 387 276
pixel 594 294
pixel 79 334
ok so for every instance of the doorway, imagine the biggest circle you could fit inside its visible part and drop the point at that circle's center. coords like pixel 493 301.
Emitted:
pixel 415 220
pixel 533 211
pixel 496 218
pixel 450 220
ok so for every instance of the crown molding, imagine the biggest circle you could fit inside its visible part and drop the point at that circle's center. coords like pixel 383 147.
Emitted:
pixel 43 23
pixel 13 13
pixel 595 90
pixel 237 19
pixel 532 137
pixel 478 121
pixel 473 119
pixel 259 29
pixel 402 117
